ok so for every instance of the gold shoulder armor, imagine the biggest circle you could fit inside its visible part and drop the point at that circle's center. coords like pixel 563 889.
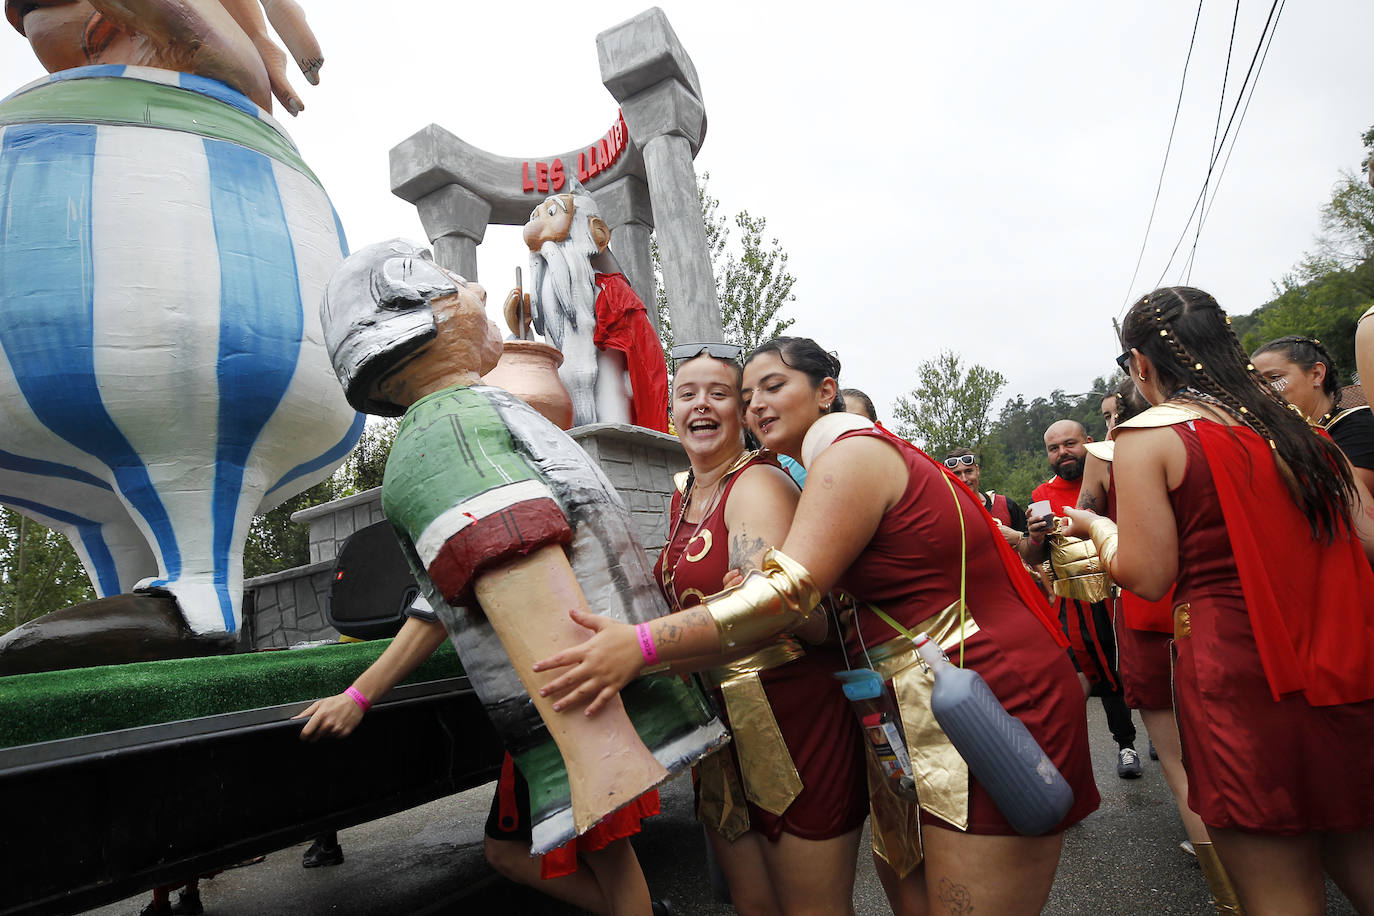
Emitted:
pixel 680 481
pixel 1102 450
pixel 1162 415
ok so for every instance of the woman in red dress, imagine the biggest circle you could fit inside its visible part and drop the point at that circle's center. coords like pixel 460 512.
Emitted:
pixel 883 521
pixel 784 803
pixel 1144 639
pixel 1223 488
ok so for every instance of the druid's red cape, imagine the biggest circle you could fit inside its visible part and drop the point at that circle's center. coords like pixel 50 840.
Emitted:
pixel 622 323
pixel 1311 604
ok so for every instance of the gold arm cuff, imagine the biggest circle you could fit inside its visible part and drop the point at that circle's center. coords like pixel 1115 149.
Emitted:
pixel 1103 533
pixel 768 602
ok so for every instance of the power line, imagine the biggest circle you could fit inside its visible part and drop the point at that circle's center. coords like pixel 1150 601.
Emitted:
pixel 1167 147
pixel 1221 106
pixel 1216 188
pixel 1231 120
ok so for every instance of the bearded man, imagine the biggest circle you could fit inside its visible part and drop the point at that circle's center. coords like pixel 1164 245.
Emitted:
pixel 613 363
pixel 1088 625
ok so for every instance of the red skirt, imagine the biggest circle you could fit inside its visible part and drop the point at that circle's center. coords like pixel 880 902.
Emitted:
pixel 509 820
pixel 1142 657
pixel 1253 764
pixel 826 744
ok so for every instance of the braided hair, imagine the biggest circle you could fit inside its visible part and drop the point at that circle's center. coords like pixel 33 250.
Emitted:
pixel 1307 352
pixel 807 357
pixel 1196 354
pixel 1129 400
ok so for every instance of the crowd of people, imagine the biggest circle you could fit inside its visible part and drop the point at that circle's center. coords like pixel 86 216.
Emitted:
pixel 1209 566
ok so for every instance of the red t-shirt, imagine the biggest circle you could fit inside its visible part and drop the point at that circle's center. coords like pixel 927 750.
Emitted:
pixel 1059 492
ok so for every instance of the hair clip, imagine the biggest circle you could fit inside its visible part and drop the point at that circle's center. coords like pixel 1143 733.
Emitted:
pixel 1249 367
pixel 1228 319
pixel 1163 332
pixel 1242 409
pixel 1197 367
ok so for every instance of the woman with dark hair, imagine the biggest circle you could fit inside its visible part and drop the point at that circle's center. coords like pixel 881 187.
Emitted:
pixel 1144 635
pixel 784 804
pixel 1224 488
pixel 883 521
pixel 1302 370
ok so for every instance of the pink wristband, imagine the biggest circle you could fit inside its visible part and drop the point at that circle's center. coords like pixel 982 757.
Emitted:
pixel 356 696
pixel 646 644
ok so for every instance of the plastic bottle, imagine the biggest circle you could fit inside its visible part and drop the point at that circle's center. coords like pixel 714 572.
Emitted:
pixel 1000 752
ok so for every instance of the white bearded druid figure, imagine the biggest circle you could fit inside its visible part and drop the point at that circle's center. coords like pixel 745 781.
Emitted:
pixel 612 359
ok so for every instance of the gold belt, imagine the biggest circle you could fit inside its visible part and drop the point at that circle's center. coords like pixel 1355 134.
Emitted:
pixel 941 774
pixel 766 775
pixel 1183 621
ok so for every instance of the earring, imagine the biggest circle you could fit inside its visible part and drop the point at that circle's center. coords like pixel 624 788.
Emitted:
pixel 1141 376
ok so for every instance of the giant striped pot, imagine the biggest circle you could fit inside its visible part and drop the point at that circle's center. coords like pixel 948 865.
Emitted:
pixel 163 378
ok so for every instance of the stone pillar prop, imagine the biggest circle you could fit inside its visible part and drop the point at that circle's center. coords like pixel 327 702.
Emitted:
pixel 647 70
pixel 459 189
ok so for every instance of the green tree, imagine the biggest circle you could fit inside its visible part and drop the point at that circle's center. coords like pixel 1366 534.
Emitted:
pixel 276 543
pixel 1347 221
pixel 1013 453
pixel 39 571
pixel 752 281
pixel 950 406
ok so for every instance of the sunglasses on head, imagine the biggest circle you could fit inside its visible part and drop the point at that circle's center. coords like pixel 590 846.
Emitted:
pixel 1123 362
pixel 954 462
pixel 723 351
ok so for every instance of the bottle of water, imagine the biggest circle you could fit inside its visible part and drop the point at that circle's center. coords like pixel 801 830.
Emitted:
pixel 1000 752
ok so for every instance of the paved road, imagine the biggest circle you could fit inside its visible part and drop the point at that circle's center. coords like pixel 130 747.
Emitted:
pixel 1123 859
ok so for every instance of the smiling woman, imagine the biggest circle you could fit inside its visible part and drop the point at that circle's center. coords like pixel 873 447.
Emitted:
pixel 784 804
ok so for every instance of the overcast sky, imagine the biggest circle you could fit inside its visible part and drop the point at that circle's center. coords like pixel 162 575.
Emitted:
pixel 971 176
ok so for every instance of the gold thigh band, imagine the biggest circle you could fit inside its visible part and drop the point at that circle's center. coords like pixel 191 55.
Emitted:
pixel 767 775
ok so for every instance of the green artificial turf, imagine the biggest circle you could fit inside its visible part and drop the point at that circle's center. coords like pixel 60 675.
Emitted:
pixel 86 701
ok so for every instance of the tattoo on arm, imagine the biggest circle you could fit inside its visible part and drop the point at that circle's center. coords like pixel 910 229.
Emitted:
pixel 672 630
pixel 746 552
pixel 1090 502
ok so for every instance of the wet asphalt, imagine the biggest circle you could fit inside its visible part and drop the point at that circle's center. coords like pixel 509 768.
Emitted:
pixel 1122 859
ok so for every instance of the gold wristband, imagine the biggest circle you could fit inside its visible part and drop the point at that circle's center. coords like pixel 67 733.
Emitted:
pixel 768 602
pixel 1103 533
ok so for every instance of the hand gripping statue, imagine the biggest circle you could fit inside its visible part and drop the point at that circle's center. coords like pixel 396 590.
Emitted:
pixel 507 524
pixel 163 248
pixel 612 359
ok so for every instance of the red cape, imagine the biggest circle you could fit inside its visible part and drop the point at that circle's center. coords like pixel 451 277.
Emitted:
pixel 622 324
pixel 1311 604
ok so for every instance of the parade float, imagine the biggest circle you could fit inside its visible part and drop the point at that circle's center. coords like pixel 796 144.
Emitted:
pixel 173 385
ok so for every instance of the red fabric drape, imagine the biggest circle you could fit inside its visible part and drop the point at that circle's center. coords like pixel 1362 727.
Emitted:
pixel 622 324
pixel 1311 605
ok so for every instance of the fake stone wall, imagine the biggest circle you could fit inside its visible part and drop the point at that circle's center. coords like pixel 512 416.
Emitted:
pixel 288 607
